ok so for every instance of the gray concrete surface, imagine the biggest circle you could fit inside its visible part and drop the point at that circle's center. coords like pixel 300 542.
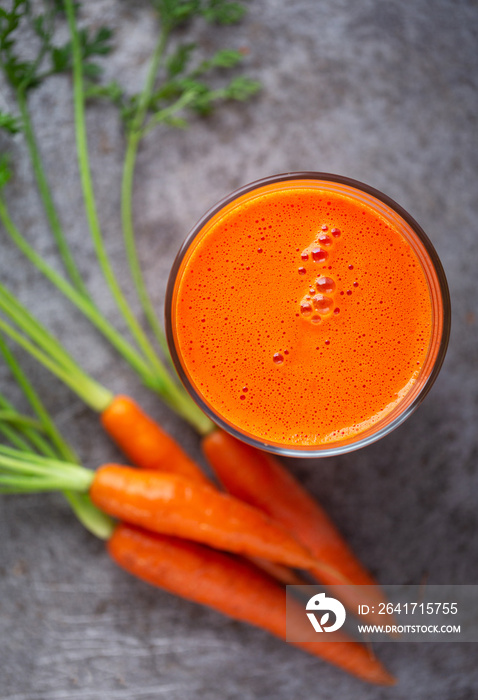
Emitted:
pixel 384 92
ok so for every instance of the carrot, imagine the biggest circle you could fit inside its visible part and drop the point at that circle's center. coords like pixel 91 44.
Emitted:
pixel 259 479
pixel 174 505
pixel 144 442
pixel 165 503
pixel 231 586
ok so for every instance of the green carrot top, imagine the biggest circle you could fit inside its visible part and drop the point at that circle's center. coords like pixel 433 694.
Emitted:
pixel 37 439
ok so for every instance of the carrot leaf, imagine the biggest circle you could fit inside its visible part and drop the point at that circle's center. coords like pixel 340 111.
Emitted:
pixel 9 122
pixel 29 436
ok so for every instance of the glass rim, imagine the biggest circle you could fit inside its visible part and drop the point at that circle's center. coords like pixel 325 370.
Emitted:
pixel 341 447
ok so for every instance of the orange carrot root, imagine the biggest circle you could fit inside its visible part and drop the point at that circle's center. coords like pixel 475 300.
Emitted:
pixel 174 505
pixel 144 442
pixel 231 586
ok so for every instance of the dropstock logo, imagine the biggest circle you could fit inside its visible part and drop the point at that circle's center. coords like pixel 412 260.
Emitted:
pixel 321 602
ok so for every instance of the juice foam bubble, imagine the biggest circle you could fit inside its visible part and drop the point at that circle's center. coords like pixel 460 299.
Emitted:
pixel 325 284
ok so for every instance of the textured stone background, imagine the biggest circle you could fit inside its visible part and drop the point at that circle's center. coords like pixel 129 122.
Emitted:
pixel 384 92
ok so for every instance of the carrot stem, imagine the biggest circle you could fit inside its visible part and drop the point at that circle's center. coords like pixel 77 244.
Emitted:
pixel 134 135
pixel 20 315
pixel 19 420
pixel 38 407
pixel 130 243
pixel 92 393
pixel 47 198
pixel 89 196
pixel 24 437
pixel 97 522
pixel 82 304
pixel 26 474
pixel 30 473
pixel 14 437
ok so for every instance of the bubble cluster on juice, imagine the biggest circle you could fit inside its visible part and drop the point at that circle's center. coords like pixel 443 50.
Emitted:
pixel 302 316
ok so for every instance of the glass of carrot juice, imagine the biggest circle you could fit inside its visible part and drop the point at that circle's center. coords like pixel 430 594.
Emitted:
pixel 307 314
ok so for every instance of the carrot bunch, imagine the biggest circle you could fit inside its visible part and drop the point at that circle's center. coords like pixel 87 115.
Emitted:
pixel 162 540
pixel 170 497
pixel 176 529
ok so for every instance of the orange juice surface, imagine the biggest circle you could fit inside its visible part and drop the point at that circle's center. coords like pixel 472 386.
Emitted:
pixel 302 315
